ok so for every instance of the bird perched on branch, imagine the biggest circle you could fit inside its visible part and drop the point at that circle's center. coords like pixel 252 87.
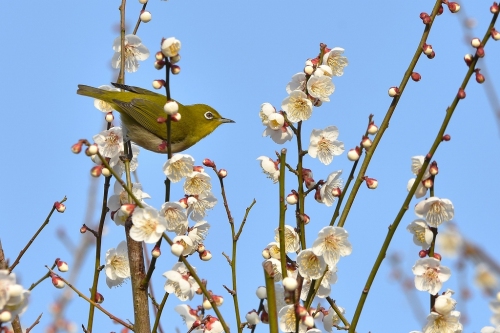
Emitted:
pixel 140 110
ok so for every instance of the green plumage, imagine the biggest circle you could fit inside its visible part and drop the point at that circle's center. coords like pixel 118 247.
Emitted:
pixel 140 108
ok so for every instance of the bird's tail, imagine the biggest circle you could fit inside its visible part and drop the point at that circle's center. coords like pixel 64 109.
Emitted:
pixel 93 92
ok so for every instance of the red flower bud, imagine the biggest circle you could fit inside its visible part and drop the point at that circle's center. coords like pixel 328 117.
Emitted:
pixel 415 76
pixel 461 93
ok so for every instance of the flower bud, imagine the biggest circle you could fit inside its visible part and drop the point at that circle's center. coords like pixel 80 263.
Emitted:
pixel 336 192
pixel 176 117
pixel 198 168
pixel 252 318
pixel 415 76
pixel 261 292
pixel 159 56
pixel 317 195
pixel 427 49
pixel 479 77
pixel 184 202
pixel 170 47
pixel 308 321
pixel 475 42
pixel 317 102
pixel 422 253
pixel 175 69
pixel 62 266
pixel 60 207
pixel 218 300
pixel 145 16
pixel 440 10
pixel 354 154
pixel 158 84
pixel 83 229
pixel 289 283
pixel 428 183
pixel 177 249
pixel 371 183
pixel 494 8
pixel 446 137
pixel 109 117
pixel 77 147
pixel 96 171
pixel 393 91
pixel 206 255
pixel 426 19
pixel 437 256
pixel 98 298
pixel 304 218
pixel 307 173
pixel 57 282
pixel 106 172
pixel 468 58
pixel 308 70
pixel 175 59
pixel 207 305
pixel 309 62
pixel 461 93
pixel 143 2
pixel 264 317
pixel 266 254
pixel 292 198
pixel 310 183
pixel 208 163
pixel 159 64
pixel 156 252
pixel 480 52
pixel 171 107
pixel 127 209
pixel 200 248
pixel 433 169
pixel 222 173
pixel 5 316
pixel 432 55
pixel 366 142
pixel 372 128
pixel 495 34
pixel 444 304
pixel 453 7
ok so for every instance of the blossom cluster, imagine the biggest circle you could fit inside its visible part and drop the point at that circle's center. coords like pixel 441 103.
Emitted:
pixel 13 297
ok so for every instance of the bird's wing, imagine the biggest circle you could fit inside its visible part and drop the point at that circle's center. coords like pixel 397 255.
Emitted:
pixel 133 89
pixel 146 113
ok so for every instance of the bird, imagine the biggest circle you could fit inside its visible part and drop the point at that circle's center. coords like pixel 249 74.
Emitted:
pixel 139 112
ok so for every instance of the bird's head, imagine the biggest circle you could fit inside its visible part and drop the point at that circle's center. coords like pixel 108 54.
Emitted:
pixel 205 119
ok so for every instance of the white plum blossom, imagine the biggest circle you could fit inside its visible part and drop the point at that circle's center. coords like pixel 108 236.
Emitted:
pixel 495 308
pixel 178 167
pixel 421 189
pixel 197 183
pixel 332 243
pixel 310 264
pixel 147 225
pixel 320 87
pixel 198 205
pixel 211 325
pixel 189 316
pixel 490 329
pixel 297 106
pixel 170 47
pixel 484 278
pixel 422 234
pixel 444 304
pixel 266 109
pixel 416 164
pixel 119 167
pixel 134 52
pixel 333 182
pixel 102 105
pixel 435 210
pixel 335 60
pixel 117 266
pixel 430 275
pixel 186 242
pixel 292 240
pixel 298 83
pixel 324 144
pixel 279 292
pixel 120 196
pixel 198 233
pixel 270 168
pixel 443 324
pixel 278 129
pixel 288 321
pixel 13 297
pixel 110 144
pixel 332 319
pixel 323 70
pixel 450 242
pixel 276 269
pixel 180 282
pixel 175 216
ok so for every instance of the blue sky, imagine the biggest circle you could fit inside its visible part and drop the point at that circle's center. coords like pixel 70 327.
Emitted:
pixel 235 56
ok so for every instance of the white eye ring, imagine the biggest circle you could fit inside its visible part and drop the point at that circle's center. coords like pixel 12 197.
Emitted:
pixel 209 115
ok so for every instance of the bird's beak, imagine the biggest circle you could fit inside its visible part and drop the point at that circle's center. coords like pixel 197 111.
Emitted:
pixel 225 120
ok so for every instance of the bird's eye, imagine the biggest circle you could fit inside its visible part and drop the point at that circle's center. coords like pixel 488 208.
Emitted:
pixel 209 115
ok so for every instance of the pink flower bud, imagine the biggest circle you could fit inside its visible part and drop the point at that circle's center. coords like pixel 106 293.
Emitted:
pixel 208 163
pixel 494 8
pixel 475 42
pixel 372 128
pixel 306 173
pixel 479 77
pixel 198 168
pixel 427 49
pixel 301 311
pixel 433 169
pixel 304 218
pixel 109 117
pixel 393 91
pixel 57 282
pixel 426 19
pixel 96 171
pixel 354 154
pixel 461 93
pixel 98 298
pixel 222 173
pixel 205 255
pixel 159 64
pixel 422 253
pixel 77 147
pixel 480 52
pixel 127 209
pixel 432 55
pixel 366 142
pixel 62 266
pixel 415 76
pixel 310 183
pixel 175 59
pixel 371 183
pixel 175 69
pixel 317 195
pixel 437 256
pixel 60 207
pixel 495 34
pixel 176 117
pixel 159 56
pixel 264 317
pixel 440 10
pixel 83 229
pixel 266 254
pixel 468 59
pixel 201 248
pixel 184 202
pixel 453 7
pixel 446 137
pixel 158 84
pixel 428 183
pixel 156 252
pixel 292 198
pixel 336 192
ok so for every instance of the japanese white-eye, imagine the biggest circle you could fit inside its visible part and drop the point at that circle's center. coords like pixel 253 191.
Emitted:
pixel 140 110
